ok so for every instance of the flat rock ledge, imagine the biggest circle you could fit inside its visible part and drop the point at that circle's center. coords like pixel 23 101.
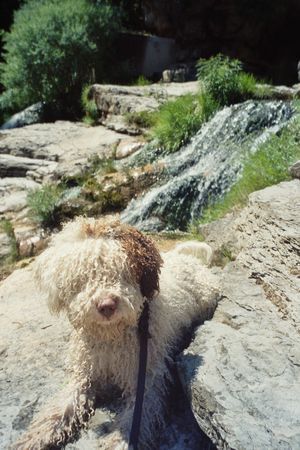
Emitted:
pixel 242 371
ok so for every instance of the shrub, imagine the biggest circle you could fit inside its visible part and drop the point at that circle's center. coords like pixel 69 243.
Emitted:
pixel 53 48
pixel 43 204
pixel 89 107
pixel 179 119
pixel 225 80
pixel 268 166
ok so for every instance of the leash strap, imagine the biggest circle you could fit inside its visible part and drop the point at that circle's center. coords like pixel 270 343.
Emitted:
pixel 138 407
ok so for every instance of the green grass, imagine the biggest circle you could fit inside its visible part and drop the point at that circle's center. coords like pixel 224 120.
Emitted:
pixel 268 166
pixel 141 119
pixel 101 166
pixel 43 203
pixel 178 120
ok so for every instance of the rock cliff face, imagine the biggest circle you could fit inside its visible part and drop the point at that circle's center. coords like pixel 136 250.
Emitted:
pixel 262 34
pixel 242 372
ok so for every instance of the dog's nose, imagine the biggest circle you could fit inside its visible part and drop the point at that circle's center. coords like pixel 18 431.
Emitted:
pixel 107 306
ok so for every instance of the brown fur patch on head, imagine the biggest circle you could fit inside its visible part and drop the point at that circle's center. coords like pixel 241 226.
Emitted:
pixel 143 257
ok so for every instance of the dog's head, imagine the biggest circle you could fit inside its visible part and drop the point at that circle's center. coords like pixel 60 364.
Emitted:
pixel 99 272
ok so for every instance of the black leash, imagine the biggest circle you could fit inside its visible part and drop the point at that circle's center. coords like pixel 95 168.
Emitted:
pixel 138 407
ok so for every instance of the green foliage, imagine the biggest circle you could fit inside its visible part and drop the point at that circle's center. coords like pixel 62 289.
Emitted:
pixel 7 228
pixel 179 119
pixel 43 204
pixel 53 48
pixel 101 166
pixel 89 107
pixel 142 119
pixel 105 200
pixel 268 166
pixel 141 81
pixel 225 80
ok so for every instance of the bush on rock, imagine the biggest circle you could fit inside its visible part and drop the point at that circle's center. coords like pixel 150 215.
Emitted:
pixel 53 49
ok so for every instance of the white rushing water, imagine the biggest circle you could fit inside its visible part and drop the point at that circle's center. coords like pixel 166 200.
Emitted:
pixel 207 167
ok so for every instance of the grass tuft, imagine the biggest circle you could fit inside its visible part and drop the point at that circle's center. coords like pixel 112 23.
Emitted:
pixel 178 120
pixel 141 119
pixel 43 203
pixel 89 107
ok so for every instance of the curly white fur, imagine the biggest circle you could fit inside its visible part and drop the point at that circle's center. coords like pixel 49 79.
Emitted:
pixel 75 273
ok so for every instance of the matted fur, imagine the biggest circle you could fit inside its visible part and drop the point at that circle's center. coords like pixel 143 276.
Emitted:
pixel 88 262
pixel 143 257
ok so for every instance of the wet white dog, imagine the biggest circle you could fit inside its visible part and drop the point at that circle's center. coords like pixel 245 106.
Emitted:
pixel 100 273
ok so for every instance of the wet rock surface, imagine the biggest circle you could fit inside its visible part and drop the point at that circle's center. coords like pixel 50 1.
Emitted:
pixel 242 371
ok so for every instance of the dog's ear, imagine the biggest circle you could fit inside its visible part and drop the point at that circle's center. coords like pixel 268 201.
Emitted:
pixel 143 258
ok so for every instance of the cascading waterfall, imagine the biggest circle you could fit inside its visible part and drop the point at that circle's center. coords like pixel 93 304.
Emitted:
pixel 207 167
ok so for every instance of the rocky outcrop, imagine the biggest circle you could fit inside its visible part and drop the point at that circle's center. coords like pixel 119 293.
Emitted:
pixel 30 115
pixel 37 154
pixel 295 170
pixel 69 145
pixel 113 102
pixel 242 370
pixel 27 330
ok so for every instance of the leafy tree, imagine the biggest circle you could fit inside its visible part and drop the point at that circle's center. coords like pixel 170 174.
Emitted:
pixel 53 49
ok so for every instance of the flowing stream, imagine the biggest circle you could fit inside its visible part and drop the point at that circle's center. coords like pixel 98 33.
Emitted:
pixel 207 167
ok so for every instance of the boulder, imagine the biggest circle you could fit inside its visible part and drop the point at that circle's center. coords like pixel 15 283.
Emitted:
pixel 30 115
pixel 127 148
pixel 67 145
pixel 295 170
pixel 242 370
pixel 17 166
pixel 113 100
pixel 32 369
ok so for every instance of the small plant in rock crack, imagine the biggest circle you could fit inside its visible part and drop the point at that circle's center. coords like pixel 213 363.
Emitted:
pixel 43 204
pixel 7 228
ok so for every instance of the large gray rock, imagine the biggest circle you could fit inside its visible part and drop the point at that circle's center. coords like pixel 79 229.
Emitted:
pixel 113 101
pixel 31 367
pixel 44 153
pixel 30 115
pixel 69 145
pixel 242 372
pixel 295 170
pixel 18 166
